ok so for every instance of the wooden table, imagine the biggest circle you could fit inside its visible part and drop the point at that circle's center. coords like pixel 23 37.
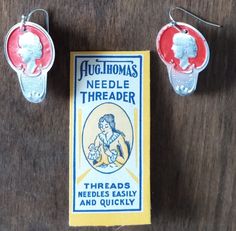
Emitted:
pixel 193 141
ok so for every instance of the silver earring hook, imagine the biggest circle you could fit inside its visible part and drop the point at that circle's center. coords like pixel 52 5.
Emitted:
pixel 23 20
pixel 27 18
pixel 191 14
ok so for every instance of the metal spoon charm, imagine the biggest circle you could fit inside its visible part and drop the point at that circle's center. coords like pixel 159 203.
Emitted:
pixel 185 52
pixel 30 52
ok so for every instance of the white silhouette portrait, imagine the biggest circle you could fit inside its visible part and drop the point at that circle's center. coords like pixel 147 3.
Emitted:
pixel 30 50
pixel 184 47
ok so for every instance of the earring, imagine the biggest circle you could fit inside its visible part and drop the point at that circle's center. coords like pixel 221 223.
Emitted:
pixel 185 52
pixel 30 52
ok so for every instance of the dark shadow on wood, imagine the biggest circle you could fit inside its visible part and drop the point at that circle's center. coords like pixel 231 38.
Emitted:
pixel 220 72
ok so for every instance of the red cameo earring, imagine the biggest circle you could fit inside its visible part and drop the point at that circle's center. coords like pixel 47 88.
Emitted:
pixel 185 52
pixel 30 52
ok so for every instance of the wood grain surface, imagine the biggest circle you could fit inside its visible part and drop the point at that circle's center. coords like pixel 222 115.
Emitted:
pixel 193 139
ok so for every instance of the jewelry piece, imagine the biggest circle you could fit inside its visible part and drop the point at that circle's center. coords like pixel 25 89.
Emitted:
pixel 30 52
pixel 184 51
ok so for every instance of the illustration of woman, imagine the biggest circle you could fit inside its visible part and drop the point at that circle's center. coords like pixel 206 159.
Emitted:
pixel 184 47
pixel 30 50
pixel 109 147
